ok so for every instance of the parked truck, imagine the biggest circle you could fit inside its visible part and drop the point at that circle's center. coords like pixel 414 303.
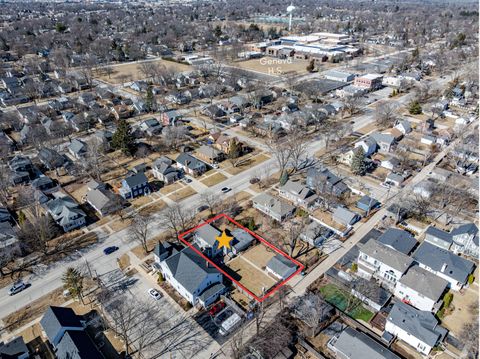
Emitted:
pixel 229 323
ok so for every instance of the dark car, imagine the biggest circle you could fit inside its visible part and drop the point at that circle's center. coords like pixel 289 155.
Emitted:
pixel 226 189
pixel 110 250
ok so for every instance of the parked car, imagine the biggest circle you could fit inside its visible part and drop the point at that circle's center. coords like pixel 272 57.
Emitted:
pixel 254 180
pixel 110 250
pixel 216 308
pixel 17 287
pixel 226 189
pixel 186 180
pixel 202 208
pixel 154 294
pixel 215 166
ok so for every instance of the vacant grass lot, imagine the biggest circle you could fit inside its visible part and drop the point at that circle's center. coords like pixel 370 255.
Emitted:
pixel 339 298
pixel 214 179
pixel 183 193
pixel 250 277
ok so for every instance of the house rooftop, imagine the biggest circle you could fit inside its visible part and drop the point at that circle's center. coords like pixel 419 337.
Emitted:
pixel 386 255
pixel 281 265
pixel 418 323
pixel 56 318
pixel 424 282
pixel 136 179
pixel 398 239
pixel 438 258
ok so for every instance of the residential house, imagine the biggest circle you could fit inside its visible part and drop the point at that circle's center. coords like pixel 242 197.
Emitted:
pixel 323 180
pixel 394 179
pixel 465 240
pixel 241 241
pixel 367 203
pixel 78 148
pixel 382 263
pixel 239 101
pixel 206 239
pixel 134 186
pixel 404 126
pixel 45 184
pixel 163 170
pixel 421 289
pixel 103 200
pixel 438 237
pixel 353 344
pixel 209 154
pixel 66 212
pixel 66 332
pixel 213 111
pixel 444 264
pixel 428 140
pixel 315 234
pixel 122 111
pixel 14 349
pixel 298 193
pixel 273 207
pixel 368 144
pixel 383 140
pixel 151 127
pixel 417 328
pixel 190 164
pixel 193 277
pixel 398 239
pixel 281 267
pixel 345 217
pixel 22 170
pixel 170 118
pixel 50 158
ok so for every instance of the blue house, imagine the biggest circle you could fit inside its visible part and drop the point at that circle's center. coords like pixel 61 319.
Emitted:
pixel 367 203
pixel 134 186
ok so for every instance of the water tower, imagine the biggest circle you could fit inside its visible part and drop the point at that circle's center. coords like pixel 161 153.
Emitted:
pixel 290 11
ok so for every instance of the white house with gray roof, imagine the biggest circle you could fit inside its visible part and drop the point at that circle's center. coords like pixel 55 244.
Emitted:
pixel 66 212
pixel 461 240
pixel 444 264
pixel 104 201
pixel 273 207
pixel 206 238
pixel 382 263
pixel 298 193
pixel 352 344
pixel 193 277
pixel 281 267
pixel 398 239
pixel 417 328
pixel 421 289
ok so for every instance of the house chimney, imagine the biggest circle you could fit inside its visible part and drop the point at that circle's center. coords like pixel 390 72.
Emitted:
pixel 444 266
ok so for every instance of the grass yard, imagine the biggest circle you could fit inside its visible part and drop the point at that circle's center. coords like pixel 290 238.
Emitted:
pixel 170 188
pixel 124 261
pixel 153 208
pixel 141 201
pixel 254 279
pixel 214 179
pixel 248 163
pixel 259 254
pixel 461 313
pixel 338 298
pixel 118 225
pixel 131 71
pixel 182 194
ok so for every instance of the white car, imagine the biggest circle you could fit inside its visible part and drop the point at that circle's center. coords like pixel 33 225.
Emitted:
pixel 17 287
pixel 215 166
pixel 154 294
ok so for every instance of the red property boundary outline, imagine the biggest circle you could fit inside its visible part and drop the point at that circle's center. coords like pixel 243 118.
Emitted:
pixel 268 244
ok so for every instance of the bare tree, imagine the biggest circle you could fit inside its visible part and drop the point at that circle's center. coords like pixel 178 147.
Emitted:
pixel 93 161
pixel 176 218
pixel 312 310
pixel 385 114
pixel 294 231
pixel 298 144
pixel 139 229
pixel 352 105
pixel 469 333
pixel 282 153
pixel 211 200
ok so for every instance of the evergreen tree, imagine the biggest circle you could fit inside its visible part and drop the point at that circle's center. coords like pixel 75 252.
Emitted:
pixel 73 281
pixel 149 100
pixel 311 66
pixel 122 138
pixel 414 108
pixel 359 165
pixel 283 178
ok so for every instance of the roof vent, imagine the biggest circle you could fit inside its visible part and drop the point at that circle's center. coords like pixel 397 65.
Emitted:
pixel 444 266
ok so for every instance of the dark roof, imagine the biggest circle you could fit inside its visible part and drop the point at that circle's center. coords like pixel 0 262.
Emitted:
pixel 398 239
pixel 189 161
pixel 136 179
pixel 469 228
pixel 438 233
pixel 57 317
pixel 367 202
pixel 76 344
pixel 435 257
pixel 213 289
pixel 13 348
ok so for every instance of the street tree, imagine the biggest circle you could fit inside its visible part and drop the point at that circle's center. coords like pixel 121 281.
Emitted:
pixel 385 114
pixel 176 218
pixel 138 230
pixel 72 280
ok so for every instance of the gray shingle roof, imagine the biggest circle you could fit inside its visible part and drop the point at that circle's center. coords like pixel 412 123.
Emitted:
pixel 438 233
pixel 435 257
pixel 357 345
pixel 418 323
pixel 57 317
pixel 77 345
pixel 398 239
pixel 424 282
pixel 189 268
pixel 242 239
pixel 136 180
pixel 275 205
pixel 208 233
pixel 189 161
pixel 469 228
pixel 343 215
pixel 386 255
pixel 77 146
pixel 281 265
pixel 214 289
pixel 14 348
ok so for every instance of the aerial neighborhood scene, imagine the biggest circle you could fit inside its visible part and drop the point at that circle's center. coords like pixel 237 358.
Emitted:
pixel 239 179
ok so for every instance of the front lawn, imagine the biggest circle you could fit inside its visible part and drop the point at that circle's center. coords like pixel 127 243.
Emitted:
pixel 339 298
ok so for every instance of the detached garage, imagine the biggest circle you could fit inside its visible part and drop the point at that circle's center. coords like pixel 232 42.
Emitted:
pixel 281 267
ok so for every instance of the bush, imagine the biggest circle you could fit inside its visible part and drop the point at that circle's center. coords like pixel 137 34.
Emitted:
pixel 441 313
pixel 471 278
pixel 354 267
pixel 447 299
pixel 160 278
pixel 414 108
